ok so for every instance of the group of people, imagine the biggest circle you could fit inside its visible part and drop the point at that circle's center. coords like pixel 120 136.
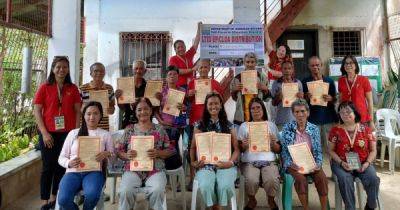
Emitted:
pixel 62 120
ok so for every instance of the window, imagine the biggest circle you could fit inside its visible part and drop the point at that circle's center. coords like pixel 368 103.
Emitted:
pixel 346 43
pixel 150 47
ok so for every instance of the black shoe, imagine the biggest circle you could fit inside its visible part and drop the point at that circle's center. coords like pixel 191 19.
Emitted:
pixel 106 197
pixel 48 206
pixel 367 207
pixel 189 187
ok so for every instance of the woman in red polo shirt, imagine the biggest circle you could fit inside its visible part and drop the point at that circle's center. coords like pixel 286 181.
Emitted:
pixel 352 148
pixel 184 59
pixel 57 110
pixel 357 89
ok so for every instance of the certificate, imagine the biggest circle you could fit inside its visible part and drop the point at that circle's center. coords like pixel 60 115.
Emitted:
pixel 153 87
pixel 259 137
pixel 318 90
pixel 100 96
pixel 302 157
pixel 88 148
pixel 141 144
pixel 127 85
pixel 203 146
pixel 249 81
pixel 353 160
pixel 289 91
pixel 174 97
pixel 221 147
pixel 213 147
pixel 203 87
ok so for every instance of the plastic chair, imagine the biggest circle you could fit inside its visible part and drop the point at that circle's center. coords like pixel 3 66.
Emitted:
pixel 387 134
pixel 115 167
pixel 173 175
pixel 360 194
pixel 288 182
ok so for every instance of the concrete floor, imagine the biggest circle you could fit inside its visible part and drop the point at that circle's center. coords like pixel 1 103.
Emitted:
pixel 389 189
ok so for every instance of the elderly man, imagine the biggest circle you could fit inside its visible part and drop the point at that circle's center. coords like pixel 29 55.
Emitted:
pixel 323 116
pixel 297 132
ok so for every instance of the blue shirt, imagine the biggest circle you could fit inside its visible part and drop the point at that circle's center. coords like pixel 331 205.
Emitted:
pixel 321 115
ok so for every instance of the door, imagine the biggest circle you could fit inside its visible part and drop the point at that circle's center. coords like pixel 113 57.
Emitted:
pixel 303 45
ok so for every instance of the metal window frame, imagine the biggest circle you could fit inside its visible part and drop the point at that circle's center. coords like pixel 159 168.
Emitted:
pixel 348 29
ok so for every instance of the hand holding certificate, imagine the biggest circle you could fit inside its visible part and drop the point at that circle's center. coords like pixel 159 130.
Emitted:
pixel 100 96
pixel 318 89
pixel 213 147
pixel 289 92
pixel 302 157
pixel 203 87
pixel 88 148
pixel 142 144
pixel 259 137
pixel 153 87
pixel 127 85
pixel 174 98
pixel 353 161
pixel 249 81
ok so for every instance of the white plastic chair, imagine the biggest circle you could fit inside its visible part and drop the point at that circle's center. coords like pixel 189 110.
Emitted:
pixel 387 134
pixel 360 194
pixel 113 170
pixel 173 175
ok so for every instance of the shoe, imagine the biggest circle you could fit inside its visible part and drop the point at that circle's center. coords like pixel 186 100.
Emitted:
pixel 106 197
pixel 48 206
pixel 52 204
pixel 367 207
pixel 189 187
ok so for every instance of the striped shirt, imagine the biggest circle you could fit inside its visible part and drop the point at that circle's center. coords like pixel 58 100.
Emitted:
pixel 84 91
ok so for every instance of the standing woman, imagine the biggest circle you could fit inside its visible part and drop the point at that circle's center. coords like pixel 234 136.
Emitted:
pixel 57 111
pixel 352 137
pixel 216 182
pixel 356 89
pixel 261 166
pixel 91 182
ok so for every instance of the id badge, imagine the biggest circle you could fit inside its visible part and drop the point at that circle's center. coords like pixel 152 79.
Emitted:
pixel 353 160
pixel 59 122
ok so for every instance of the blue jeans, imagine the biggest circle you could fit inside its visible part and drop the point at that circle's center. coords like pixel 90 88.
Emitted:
pixel 369 180
pixel 90 182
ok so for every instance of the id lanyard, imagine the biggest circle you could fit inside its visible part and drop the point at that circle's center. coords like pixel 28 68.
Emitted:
pixel 59 92
pixel 352 140
pixel 350 88
pixel 186 63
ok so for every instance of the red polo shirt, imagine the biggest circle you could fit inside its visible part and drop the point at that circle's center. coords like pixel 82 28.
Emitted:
pixel 361 145
pixel 356 94
pixel 47 96
pixel 184 63
pixel 197 109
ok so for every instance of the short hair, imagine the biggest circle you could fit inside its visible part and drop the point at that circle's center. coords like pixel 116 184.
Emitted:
pixel 178 41
pixel 137 101
pixel 96 64
pixel 350 105
pixel 141 62
pixel 172 68
pixel 205 60
pixel 300 102
pixel 344 63
pixel 314 57
pixel 287 62
pixel 250 55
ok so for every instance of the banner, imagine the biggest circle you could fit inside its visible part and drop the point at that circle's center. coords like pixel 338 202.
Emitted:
pixel 226 44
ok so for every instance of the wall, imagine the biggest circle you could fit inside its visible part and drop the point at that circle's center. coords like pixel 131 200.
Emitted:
pixel 327 15
pixel 107 18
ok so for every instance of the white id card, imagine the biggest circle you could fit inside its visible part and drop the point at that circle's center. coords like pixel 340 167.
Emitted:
pixel 59 122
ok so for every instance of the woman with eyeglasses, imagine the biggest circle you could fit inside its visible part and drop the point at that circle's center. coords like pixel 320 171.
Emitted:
pixel 352 148
pixel 259 166
pixel 57 106
pixel 300 131
pixel 357 89
pixel 216 182
pixel 91 182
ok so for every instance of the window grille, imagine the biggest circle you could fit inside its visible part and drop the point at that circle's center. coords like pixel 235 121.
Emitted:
pixel 346 43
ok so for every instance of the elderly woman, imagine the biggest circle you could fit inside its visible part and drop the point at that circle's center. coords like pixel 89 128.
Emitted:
pixel 355 139
pixel 153 181
pixel 302 131
pixel 260 166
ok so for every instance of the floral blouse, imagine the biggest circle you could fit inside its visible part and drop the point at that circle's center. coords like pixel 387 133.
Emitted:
pixel 161 142
pixel 361 145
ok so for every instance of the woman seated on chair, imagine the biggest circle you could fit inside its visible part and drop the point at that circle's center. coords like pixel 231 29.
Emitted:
pixel 91 182
pixel 259 166
pixel 302 131
pixel 151 183
pixel 216 182
pixel 353 148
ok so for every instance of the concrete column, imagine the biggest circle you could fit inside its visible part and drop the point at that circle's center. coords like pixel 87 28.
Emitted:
pixel 26 70
pixel 90 52
pixel 65 40
pixel 246 11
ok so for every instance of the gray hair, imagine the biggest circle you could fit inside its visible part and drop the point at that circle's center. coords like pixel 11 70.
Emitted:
pixel 96 64
pixel 139 62
pixel 250 55
pixel 300 102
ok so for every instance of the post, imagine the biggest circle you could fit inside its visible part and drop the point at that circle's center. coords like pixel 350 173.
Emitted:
pixel 26 70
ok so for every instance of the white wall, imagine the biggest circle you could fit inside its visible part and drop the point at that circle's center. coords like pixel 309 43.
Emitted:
pixel 179 17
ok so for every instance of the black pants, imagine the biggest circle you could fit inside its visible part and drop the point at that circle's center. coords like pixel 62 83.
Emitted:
pixel 175 161
pixel 52 172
